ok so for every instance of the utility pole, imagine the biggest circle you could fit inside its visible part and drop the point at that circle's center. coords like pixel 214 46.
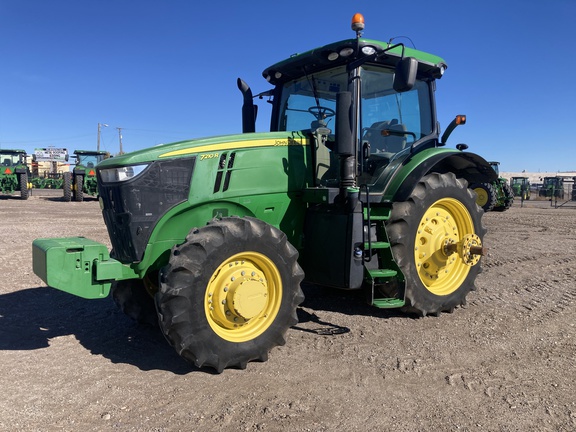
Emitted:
pixel 99 129
pixel 120 139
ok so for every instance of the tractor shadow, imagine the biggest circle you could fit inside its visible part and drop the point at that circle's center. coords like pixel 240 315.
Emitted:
pixel 30 318
pixel 346 302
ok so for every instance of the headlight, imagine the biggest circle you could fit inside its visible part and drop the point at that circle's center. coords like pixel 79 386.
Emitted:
pixel 120 174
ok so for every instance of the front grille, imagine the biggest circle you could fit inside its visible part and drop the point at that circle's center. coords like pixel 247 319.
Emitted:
pixel 131 209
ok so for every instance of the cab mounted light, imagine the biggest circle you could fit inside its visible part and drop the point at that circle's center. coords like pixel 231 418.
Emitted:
pixel 346 52
pixel 358 24
pixel 368 50
pixel 438 70
pixel 458 120
pixel 333 56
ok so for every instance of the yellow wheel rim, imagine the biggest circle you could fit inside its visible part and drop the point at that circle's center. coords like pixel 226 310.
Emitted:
pixel 447 221
pixel 482 198
pixel 243 297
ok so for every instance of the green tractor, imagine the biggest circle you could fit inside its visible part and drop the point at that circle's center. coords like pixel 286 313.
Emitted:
pixel 352 188
pixel 520 187
pixel 14 172
pixel 552 187
pixel 496 195
pixel 82 180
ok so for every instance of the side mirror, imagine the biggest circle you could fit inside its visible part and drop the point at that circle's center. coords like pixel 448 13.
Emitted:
pixel 405 74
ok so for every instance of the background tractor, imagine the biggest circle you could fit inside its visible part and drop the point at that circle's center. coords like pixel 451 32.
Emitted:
pixel 82 180
pixel 14 172
pixel 496 195
pixel 521 187
pixel 352 188
pixel 552 187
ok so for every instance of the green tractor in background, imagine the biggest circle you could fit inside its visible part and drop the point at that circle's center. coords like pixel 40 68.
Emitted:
pixel 552 187
pixel 14 172
pixel 82 180
pixel 521 187
pixel 496 195
pixel 352 188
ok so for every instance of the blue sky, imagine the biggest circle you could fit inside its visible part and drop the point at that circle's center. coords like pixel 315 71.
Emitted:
pixel 166 70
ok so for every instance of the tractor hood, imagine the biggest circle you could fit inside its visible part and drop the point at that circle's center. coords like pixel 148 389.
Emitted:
pixel 205 145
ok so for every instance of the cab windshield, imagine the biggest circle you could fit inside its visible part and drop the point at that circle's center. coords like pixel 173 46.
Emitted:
pixel 89 160
pixel 10 159
pixel 311 100
pixel 389 122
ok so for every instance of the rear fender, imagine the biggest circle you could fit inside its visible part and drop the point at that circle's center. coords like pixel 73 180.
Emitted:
pixel 470 166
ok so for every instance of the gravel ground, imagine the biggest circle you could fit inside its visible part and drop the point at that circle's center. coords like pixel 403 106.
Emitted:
pixel 504 362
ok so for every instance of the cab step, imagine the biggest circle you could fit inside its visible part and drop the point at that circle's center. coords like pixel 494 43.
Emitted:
pixel 376 245
pixel 382 273
pixel 388 303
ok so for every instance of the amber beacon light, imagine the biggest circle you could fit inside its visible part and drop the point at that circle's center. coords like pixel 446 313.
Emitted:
pixel 358 23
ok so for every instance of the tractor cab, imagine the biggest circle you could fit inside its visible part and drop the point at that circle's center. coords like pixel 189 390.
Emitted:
pixel 369 106
pixel 89 159
pixel 12 158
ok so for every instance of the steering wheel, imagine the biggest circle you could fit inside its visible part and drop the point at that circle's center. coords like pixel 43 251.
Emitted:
pixel 321 112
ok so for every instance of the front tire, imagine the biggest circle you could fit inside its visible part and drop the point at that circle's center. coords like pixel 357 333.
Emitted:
pixel 229 293
pixel 440 214
pixel 132 298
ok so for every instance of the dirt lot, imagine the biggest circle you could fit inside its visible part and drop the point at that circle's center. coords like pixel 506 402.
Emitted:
pixel 505 362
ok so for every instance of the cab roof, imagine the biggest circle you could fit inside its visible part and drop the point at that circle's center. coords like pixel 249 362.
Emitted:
pixel 346 52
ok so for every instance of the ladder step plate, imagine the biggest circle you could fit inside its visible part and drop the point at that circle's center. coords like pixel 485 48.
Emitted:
pixel 388 303
pixel 382 273
pixel 377 218
pixel 377 245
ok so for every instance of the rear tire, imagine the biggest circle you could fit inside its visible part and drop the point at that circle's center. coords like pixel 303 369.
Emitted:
pixel 441 209
pixel 78 188
pixel 508 198
pixel 23 180
pixel 229 293
pixel 67 186
pixel 486 195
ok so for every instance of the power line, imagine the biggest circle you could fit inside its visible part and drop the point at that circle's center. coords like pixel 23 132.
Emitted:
pixel 43 140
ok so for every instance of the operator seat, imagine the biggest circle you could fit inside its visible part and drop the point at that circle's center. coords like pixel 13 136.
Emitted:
pixel 7 162
pixel 389 143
